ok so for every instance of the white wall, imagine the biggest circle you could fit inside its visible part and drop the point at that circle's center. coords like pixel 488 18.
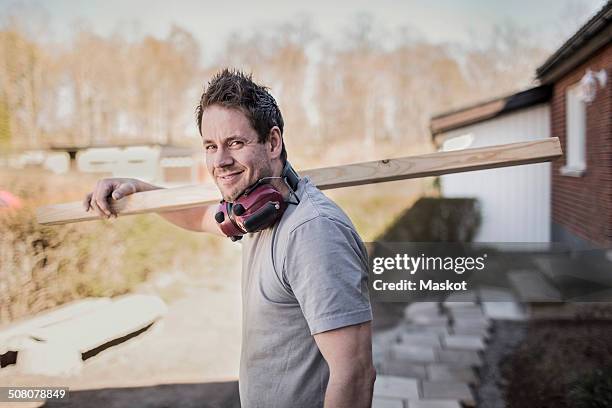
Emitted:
pixel 515 201
pixel 139 162
pixel 57 162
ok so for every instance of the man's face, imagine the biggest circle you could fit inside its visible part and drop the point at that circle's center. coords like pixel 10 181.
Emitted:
pixel 234 157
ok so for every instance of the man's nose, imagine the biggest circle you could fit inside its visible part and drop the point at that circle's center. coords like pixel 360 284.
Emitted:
pixel 223 158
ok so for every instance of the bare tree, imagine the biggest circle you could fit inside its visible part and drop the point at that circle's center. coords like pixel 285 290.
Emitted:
pixel 373 87
pixel 24 83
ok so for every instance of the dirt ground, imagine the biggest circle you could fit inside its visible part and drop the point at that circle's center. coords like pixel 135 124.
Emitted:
pixel 506 336
pixel 554 357
pixel 189 359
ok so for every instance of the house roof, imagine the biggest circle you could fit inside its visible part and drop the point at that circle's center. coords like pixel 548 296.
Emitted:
pixel 446 121
pixel 596 33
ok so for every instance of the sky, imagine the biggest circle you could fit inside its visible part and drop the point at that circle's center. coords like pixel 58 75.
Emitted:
pixel 211 22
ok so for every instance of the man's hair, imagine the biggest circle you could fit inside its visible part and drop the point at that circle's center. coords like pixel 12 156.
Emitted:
pixel 234 89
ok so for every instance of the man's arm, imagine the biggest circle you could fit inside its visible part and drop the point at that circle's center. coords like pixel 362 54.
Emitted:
pixel 348 352
pixel 200 219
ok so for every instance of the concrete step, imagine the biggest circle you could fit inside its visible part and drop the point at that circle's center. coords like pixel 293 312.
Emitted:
pixel 475 323
pixel 532 286
pixel 425 313
pixel 57 345
pixel 496 294
pixel 420 339
pixel 463 342
pixel 587 265
pixel 16 334
pixel 402 369
pixel 387 337
pixel 465 358
pixel 433 320
pixel 442 328
pixel 472 331
pixel 421 309
pixel 448 390
pixel 388 386
pixel 125 315
pixel 461 297
pixel 504 310
pixel 458 304
pixel 451 373
pixel 417 354
pixel 466 312
pixel 434 403
pixel 380 402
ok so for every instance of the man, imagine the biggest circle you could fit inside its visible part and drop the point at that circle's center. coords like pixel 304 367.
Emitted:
pixel 306 339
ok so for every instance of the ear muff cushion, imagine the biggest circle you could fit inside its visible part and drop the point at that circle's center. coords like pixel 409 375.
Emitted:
pixel 266 215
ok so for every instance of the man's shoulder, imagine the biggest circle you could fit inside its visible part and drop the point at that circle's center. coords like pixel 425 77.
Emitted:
pixel 315 208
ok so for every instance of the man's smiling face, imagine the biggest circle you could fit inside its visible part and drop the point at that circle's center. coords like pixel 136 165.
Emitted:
pixel 234 157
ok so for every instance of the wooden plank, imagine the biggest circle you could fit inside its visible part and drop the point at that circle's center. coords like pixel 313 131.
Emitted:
pixel 379 171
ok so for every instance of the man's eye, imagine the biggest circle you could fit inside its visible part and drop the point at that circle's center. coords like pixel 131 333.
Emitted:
pixel 209 147
pixel 236 143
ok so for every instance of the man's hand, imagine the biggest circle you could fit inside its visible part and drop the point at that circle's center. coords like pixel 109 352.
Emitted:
pixel 108 189
pixel 348 352
pixel 199 219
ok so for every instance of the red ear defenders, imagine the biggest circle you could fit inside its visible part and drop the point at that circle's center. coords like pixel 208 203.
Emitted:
pixel 257 208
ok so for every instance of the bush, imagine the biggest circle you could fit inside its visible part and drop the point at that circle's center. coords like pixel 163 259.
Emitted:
pixel 433 219
pixel 594 390
pixel 42 267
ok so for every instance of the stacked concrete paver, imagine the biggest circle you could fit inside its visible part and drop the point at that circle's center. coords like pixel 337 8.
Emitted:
pixel 431 358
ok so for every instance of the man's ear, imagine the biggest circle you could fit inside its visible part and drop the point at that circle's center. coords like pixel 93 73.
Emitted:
pixel 276 142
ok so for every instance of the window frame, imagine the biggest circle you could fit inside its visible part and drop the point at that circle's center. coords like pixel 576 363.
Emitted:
pixel 575 133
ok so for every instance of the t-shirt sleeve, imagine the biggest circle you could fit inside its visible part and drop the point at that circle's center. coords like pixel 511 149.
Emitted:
pixel 326 268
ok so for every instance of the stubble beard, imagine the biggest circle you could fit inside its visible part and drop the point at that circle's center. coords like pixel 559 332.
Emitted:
pixel 264 171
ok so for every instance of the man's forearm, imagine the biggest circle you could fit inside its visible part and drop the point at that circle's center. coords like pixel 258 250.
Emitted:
pixel 189 219
pixel 350 391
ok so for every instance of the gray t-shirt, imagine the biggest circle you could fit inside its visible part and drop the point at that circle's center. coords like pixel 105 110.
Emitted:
pixel 305 275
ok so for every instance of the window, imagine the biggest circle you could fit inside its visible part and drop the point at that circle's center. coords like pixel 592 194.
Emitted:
pixel 458 142
pixel 575 127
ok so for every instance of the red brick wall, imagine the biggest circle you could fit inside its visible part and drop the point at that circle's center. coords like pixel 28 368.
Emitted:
pixel 583 205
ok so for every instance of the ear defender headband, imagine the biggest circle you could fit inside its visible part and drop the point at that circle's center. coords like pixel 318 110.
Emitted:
pixel 257 208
